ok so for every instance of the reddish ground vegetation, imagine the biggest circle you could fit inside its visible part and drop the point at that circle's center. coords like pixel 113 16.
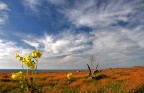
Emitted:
pixel 112 80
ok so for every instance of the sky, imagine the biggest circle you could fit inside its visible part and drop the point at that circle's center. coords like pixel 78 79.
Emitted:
pixel 69 32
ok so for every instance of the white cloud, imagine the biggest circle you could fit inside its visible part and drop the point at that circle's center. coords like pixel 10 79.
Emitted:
pixel 62 45
pixel 7 51
pixel 57 2
pixel 3 13
pixel 118 45
pixel 110 44
pixel 2 21
pixel 3 6
pixel 114 40
pixel 66 59
pixel 32 4
pixel 88 13
pixel 32 43
pixel 78 48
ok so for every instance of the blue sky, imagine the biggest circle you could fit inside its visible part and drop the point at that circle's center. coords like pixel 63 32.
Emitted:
pixel 68 32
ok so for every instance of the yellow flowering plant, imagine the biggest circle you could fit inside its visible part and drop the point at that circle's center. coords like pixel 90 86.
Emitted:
pixel 69 77
pixel 31 62
pixel 17 76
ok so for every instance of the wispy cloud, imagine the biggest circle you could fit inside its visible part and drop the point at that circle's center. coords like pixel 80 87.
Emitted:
pixel 116 35
pixel 32 4
pixel 7 51
pixel 10 48
pixel 113 45
pixel 101 14
pixel 57 2
pixel 3 13
pixel 63 43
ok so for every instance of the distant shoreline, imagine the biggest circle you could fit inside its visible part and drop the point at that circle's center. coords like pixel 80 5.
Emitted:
pixel 63 70
pixel 43 70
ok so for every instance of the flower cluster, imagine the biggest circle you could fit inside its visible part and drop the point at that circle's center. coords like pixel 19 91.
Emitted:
pixel 36 54
pixel 27 83
pixel 17 76
pixel 69 76
pixel 28 60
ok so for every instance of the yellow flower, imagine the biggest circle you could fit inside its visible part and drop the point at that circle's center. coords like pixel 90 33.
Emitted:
pixel 28 62
pixel 30 65
pixel 17 55
pixel 69 76
pixel 23 61
pixel 36 54
pixel 17 76
pixel 28 58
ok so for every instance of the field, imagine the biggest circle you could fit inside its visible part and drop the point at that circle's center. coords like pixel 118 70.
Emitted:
pixel 112 80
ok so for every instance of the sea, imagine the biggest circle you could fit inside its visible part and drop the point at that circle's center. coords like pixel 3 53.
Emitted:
pixel 44 70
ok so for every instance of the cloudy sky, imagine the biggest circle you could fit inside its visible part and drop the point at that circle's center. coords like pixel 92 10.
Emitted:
pixel 68 32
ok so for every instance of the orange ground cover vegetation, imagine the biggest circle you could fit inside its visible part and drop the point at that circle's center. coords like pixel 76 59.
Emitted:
pixel 115 80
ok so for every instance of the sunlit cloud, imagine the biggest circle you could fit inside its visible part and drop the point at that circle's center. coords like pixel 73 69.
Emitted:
pixel 7 52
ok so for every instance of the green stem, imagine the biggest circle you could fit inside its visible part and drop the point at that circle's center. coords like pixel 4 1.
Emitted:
pixel 27 77
pixel 36 64
pixel 35 70
pixel 27 73
pixel 22 67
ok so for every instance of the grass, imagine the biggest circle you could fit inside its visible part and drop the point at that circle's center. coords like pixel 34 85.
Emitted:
pixel 117 80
